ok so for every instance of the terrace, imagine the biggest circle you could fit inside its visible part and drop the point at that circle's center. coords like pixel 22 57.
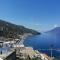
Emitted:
pixel 5 53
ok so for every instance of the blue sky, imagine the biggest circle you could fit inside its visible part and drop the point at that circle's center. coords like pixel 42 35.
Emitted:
pixel 41 15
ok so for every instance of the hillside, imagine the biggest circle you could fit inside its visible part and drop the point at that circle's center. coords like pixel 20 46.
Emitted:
pixel 54 31
pixel 11 30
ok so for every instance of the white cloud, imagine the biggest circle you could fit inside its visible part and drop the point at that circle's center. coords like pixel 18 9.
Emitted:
pixel 55 26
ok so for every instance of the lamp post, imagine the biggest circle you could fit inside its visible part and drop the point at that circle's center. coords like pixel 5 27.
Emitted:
pixel 51 50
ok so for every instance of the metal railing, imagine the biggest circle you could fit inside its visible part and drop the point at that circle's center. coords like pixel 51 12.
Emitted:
pixel 51 51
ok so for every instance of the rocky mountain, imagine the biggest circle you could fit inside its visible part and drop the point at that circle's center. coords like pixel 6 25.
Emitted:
pixel 11 30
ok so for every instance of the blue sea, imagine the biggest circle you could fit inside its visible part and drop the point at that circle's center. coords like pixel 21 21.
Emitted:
pixel 45 41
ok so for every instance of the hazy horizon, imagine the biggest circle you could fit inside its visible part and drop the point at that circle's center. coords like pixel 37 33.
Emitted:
pixel 40 15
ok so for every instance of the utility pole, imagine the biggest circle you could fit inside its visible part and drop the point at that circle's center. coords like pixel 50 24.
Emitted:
pixel 51 53
pixel 51 50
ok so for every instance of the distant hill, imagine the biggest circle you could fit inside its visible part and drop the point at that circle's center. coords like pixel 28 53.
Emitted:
pixel 54 33
pixel 11 30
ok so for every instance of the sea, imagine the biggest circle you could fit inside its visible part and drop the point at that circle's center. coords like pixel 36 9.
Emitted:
pixel 45 43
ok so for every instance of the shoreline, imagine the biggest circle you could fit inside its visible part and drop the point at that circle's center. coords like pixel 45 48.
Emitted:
pixel 25 36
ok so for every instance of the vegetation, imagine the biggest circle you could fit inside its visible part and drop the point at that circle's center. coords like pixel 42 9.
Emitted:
pixel 11 30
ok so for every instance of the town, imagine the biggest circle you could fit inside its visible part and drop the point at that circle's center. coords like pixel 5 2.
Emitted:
pixel 14 49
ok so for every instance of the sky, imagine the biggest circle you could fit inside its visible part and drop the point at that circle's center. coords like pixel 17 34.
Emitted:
pixel 40 15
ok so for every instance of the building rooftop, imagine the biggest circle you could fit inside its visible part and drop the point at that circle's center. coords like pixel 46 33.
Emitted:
pixel 4 52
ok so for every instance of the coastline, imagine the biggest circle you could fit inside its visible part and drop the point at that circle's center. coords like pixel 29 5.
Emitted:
pixel 24 37
pixel 27 35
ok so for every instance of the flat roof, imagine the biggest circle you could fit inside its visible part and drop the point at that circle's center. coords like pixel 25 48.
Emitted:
pixel 5 52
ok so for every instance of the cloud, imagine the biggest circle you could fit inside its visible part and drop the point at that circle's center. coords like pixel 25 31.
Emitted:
pixel 55 26
pixel 37 24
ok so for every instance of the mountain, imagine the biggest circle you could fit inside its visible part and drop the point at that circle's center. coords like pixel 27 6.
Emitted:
pixel 11 30
pixel 55 30
pixel 54 33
